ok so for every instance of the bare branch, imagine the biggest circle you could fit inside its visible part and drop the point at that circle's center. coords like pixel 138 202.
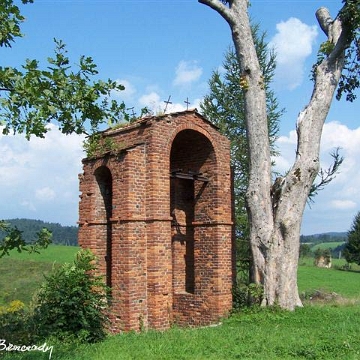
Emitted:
pixel 326 176
pixel 220 7
pixel 336 31
pixel 324 19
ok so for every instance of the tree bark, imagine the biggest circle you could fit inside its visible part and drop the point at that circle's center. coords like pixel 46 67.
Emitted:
pixel 275 210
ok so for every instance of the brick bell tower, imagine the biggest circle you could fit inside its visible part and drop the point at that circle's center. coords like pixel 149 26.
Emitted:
pixel 156 210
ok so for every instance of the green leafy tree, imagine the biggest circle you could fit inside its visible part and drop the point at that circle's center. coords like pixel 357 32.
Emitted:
pixel 14 239
pixel 32 97
pixel 304 251
pixel 11 19
pixel 225 107
pixel 352 247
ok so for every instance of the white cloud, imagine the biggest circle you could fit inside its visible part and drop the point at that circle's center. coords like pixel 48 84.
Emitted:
pixel 129 91
pixel 196 104
pixel 293 44
pixel 33 173
pixel 151 100
pixel 336 205
pixel 45 194
pixel 343 204
pixel 187 72
pixel 28 206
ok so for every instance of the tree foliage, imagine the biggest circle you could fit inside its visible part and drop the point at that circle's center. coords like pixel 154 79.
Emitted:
pixel 352 247
pixel 304 251
pixel 69 306
pixel 71 98
pixel 14 239
pixel 350 78
pixel 323 238
pixel 31 97
pixel 10 20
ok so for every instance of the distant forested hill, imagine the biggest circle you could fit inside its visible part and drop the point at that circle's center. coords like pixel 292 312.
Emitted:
pixel 64 235
pixel 67 235
pixel 324 238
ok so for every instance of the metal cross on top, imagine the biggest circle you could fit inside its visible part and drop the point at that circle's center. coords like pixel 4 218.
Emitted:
pixel 167 103
pixel 187 102
pixel 133 113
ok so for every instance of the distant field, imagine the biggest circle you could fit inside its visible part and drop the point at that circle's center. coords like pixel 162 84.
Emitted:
pixel 344 283
pixel 327 245
pixel 23 273
pixel 57 253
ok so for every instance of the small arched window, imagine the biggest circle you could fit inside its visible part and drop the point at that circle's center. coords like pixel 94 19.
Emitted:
pixel 103 215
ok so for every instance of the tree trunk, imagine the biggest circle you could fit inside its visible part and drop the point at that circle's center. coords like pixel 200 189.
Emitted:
pixel 276 211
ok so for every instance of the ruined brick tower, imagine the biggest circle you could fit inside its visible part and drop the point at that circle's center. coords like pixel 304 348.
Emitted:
pixel 156 209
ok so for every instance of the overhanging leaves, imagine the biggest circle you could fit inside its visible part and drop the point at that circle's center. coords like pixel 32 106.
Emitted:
pixel 32 98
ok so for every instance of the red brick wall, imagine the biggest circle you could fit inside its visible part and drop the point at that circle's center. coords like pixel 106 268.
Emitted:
pixel 168 240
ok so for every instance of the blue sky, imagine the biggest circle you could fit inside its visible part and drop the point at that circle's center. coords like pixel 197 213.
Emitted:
pixel 158 48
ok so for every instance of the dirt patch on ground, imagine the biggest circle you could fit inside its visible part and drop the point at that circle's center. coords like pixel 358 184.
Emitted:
pixel 325 297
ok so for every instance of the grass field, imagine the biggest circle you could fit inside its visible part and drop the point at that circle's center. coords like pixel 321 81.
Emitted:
pixel 54 253
pixel 320 330
pixel 343 283
pixel 327 245
pixel 313 332
pixel 22 273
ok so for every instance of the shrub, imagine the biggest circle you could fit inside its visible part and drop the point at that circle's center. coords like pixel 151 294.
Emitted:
pixel 247 295
pixel 70 304
pixel 15 323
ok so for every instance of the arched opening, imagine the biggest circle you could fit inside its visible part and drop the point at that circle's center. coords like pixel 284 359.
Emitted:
pixel 103 216
pixel 192 165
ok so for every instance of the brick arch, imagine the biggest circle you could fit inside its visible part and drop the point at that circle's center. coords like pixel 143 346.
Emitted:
pixel 103 199
pixel 212 169
pixel 193 206
pixel 105 163
pixel 188 126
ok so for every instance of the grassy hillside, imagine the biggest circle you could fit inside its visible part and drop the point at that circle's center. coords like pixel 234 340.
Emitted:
pixel 320 330
pixel 327 245
pixel 344 283
pixel 54 253
pixel 22 273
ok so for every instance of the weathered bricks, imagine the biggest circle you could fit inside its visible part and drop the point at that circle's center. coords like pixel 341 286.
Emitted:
pixel 164 242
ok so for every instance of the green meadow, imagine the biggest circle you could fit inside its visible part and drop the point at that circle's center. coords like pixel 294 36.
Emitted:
pixel 327 327
pixel 327 245
pixel 22 273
